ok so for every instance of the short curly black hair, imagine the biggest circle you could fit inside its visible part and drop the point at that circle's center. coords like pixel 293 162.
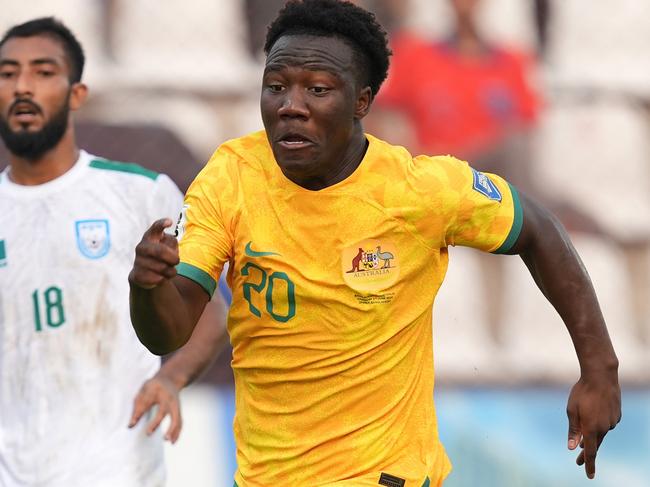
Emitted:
pixel 337 18
pixel 49 26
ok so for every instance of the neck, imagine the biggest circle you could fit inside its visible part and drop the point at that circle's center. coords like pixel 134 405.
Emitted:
pixel 349 161
pixel 467 39
pixel 54 163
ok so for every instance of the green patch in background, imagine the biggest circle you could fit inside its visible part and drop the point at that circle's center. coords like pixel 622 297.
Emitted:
pixel 3 254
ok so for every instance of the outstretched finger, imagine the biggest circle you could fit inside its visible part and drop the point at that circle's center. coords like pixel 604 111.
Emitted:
pixel 589 454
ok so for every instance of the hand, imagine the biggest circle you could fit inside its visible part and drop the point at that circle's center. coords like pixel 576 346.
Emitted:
pixel 156 256
pixel 593 409
pixel 163 393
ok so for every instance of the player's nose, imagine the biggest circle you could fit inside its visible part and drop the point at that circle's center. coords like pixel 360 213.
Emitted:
pixel 24 86
pixel 293 104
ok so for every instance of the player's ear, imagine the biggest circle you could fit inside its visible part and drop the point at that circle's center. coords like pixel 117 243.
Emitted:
pixel 364 100
pixel 78 95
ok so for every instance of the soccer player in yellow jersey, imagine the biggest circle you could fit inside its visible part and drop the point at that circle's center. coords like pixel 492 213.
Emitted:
pixel 337 245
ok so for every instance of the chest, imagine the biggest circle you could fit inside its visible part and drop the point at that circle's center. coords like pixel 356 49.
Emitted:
pixel 79 230
pixel 64 260
pixel 333 259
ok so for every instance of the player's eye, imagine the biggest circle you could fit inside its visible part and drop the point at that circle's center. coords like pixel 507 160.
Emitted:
pixel 319 90
pixel 274 87
pixel 7 74
pixel 45 73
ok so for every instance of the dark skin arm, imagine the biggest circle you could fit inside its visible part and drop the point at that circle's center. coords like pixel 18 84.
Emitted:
pixel 165 307
pixel 594 405
pixel 181 369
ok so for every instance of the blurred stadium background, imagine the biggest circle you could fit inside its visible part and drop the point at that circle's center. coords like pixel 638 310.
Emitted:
pixel 171 80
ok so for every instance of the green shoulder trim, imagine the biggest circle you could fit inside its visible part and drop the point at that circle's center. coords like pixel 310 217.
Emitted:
pixel 123 167
pixel 197 275
pixel 517 223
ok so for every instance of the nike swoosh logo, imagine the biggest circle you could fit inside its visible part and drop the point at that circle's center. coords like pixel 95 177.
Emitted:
pixel 252 253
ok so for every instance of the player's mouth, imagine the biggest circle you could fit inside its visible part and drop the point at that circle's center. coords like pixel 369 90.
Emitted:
pixel 24 112
pixel 294 141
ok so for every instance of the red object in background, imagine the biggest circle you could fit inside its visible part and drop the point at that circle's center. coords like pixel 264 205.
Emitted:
pixel 458 105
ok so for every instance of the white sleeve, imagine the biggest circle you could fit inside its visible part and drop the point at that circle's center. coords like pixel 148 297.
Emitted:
pixel 166 200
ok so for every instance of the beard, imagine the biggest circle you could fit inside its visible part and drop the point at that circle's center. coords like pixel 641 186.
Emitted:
pixel 32 145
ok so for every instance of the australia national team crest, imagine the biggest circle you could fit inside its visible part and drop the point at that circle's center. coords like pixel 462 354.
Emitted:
pixel 370 265
pixel 485 186
pixel 93 238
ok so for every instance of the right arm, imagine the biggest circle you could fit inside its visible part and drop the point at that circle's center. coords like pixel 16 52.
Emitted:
pixel 165 307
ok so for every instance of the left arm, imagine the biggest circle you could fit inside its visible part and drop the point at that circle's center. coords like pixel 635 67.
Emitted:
pixel 181 369
pixel 594 405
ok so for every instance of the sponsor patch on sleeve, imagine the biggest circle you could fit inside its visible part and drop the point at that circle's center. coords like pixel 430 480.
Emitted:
pixel 179 231
pixel 485 186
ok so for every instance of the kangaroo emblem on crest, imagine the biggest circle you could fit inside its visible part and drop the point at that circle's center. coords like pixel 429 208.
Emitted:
pixel 356 261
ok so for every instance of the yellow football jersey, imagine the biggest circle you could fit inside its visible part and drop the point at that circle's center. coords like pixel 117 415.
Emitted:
pixel 333 291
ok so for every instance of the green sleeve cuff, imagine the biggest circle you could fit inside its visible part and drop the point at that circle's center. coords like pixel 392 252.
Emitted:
pixel 517 223
pixel 197 275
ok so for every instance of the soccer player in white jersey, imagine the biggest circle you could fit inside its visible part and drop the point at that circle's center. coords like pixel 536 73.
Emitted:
pixel 70 363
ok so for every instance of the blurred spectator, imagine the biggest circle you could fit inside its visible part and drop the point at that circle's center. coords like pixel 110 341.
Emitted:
pixel 463 95
pixel 466 96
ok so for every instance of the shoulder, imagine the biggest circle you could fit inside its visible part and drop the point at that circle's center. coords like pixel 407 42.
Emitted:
pixel 127 168
pixel 444 167
pixel 389 155
pixel 248 149
pixel 381 149
pixel 421 174
pixel 231 158
pixel 129 171
pixel 129 176
pixel 441 175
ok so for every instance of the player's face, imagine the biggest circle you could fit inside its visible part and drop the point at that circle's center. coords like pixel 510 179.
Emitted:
pixel 35 94
pixel 312 105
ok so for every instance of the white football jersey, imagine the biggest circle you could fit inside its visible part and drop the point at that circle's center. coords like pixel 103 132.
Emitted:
pixel 70 362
